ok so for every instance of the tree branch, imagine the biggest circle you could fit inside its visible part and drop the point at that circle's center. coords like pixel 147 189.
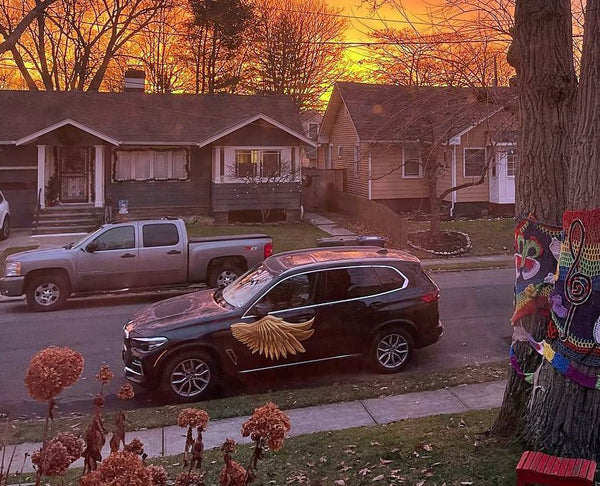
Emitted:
pixel 11 39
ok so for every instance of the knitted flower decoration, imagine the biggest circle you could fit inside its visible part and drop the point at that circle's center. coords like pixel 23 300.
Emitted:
pixel 192 417
pixel 126 392
pixel 268 424
pixel 105 374
pixel 51 371
pixel 119 468
pixel 57 454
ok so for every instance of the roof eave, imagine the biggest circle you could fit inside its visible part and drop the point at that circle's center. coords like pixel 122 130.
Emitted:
pixel 67 121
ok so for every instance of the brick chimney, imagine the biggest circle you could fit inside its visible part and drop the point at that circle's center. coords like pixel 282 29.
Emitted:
pixel 135 80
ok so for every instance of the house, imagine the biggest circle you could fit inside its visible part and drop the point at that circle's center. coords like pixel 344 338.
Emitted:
pixel 311 123
pixel 389 140
pixel 149 153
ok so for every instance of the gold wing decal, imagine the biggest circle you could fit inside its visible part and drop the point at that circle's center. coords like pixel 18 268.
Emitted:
pixel 272 336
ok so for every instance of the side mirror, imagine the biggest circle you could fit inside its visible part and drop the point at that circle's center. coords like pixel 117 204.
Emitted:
pixel 261 309
pixel 91 247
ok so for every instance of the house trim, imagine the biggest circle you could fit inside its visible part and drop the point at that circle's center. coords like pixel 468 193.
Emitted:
pixel 60 124
pixel 252 119
pixel 456 139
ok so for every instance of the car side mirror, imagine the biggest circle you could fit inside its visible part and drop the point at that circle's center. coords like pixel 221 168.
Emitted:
pixel 91 247
pixel 261 309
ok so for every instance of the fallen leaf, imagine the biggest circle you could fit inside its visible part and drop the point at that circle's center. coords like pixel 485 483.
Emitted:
pixel 383 461
pixel 364 471
pixel 378 478
pixel 427 447
pixel 340 482
pixel 375 443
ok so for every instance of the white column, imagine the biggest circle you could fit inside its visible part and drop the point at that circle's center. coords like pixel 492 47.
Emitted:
pixel 41 175
pixel 99 176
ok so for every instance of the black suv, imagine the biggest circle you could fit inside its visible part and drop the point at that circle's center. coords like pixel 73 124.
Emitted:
pixel 296 307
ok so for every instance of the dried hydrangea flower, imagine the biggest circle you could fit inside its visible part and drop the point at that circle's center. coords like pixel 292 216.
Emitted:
pixel 189 478
pixel 119 468
pixel 268 424
pixel 105 375
pixel 232 474
pixel 51 371
pixel 99 400
pixel 135 447
pixel 57 454
pixel 126 392
pixel 158 475
pixel 193 417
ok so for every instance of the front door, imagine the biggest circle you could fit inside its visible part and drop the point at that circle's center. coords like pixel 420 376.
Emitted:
pixel 74 168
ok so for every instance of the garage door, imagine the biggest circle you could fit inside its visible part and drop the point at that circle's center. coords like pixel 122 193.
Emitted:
pixel 19 187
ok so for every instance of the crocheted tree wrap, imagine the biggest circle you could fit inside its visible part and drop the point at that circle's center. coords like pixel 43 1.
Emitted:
pixel 575 300
pixel 536 251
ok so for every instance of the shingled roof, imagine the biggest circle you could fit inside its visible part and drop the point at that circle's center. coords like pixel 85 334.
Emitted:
pixel 139 117
pixel 405 113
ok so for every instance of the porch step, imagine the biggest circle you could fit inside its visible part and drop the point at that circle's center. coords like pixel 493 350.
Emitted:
pixel 68 219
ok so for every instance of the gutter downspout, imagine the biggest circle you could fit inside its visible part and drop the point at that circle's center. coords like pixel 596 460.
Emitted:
pixel 453 182
pixel 370 180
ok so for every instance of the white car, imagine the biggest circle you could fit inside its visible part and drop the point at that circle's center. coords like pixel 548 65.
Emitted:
pixel 4 217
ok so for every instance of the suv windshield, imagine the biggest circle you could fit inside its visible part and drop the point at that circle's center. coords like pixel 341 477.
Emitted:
pixel 248 286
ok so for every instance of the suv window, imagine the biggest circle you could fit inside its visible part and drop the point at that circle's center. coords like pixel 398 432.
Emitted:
pixel 390 279
pixel 160 234
pixel 116 239
pixel 349 283
pixel 296 291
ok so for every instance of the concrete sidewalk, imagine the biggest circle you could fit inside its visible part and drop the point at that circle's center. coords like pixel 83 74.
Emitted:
pixel 169 441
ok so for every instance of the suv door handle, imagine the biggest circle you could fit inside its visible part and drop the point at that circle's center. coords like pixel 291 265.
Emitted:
pixel 128 255
pixel 173 252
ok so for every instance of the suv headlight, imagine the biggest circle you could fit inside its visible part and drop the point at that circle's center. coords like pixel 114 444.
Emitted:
pixel 12 269
pixel 148 344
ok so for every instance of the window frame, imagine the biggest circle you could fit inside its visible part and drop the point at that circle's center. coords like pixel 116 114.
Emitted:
pixel 479 149
pixel 150 164
pixel 257 158
pixel 511 153
pixel 419 162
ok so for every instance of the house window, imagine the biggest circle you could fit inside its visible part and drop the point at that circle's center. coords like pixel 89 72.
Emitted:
pixel 313 130
pixel 474 162
pixel 356 160
pixel 144 165
pixel 411 165
pixel 257 163
pixel 511 163
pixel 340 151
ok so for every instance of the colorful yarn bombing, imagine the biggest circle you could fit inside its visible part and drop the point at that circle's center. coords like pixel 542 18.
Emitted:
pixel 537 247
pixel 575 300
pixel 559 362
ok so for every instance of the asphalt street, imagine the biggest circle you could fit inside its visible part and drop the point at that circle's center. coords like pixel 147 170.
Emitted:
pixel 475 307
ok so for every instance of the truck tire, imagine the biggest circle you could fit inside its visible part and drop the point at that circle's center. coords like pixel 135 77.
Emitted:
pixel 5 230
pixel 189 376
pixel 222 274
pixel 47 293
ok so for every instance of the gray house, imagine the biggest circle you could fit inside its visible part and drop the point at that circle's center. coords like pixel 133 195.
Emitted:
pixel 148 153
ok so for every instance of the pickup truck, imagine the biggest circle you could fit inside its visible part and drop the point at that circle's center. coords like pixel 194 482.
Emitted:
pixel 134 255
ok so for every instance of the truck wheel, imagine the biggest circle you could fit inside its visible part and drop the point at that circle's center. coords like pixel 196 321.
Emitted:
pixel 5 231
pixel 222 274
pixel 391 350
pixel 47 293
pixel 190 376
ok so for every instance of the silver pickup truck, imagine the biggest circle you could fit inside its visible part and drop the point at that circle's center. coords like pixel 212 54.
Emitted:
pixel 134 255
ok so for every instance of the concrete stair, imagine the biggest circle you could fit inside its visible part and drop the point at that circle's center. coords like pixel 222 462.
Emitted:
pixel 67 219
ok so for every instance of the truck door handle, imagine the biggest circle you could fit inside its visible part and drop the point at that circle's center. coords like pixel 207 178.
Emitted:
pixel 128 255
pixel 173 252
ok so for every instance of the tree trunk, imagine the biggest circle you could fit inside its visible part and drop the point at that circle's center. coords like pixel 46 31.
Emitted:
pixel 543 58
pixel 564 415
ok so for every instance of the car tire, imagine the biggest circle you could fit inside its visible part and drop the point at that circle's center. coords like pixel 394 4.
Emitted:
pixel 222 274
pixel 47 293
pixel 190 376
pixel 5 230
pixel 391 350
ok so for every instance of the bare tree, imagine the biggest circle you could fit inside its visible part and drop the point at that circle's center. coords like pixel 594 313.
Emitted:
pixel 296 50
pixel 11 29
pixel 73 45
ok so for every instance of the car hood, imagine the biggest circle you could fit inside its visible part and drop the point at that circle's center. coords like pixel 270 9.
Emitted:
pixel 38 255
pixel 174 313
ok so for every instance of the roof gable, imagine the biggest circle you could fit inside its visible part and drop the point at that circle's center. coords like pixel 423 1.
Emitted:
pixel 31 137
pixel 390 113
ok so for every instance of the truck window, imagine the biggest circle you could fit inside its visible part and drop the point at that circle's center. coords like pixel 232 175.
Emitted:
pixel 116 239
pixel 161 234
